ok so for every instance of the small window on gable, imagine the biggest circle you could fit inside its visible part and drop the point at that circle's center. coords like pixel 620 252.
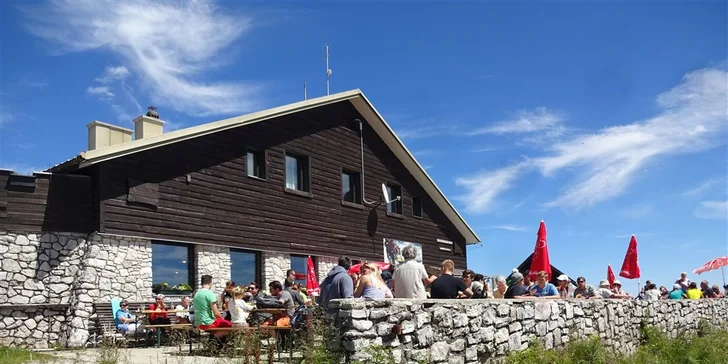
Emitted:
pixel 297 173
pixel 351 187
pixel 417 206
pixel 395 206
pixel 255 163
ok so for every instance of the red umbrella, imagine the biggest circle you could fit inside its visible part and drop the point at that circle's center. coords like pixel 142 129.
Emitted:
pixel 610 275
pixel 312 286
pixel 712 265
pixel 630 266
pixel 357 267
pixel 540 260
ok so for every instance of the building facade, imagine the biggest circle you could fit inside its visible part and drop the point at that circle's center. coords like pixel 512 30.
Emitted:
pixel 244 199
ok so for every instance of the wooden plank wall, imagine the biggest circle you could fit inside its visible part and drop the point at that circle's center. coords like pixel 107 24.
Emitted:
pixel 57 203
pixel 221 204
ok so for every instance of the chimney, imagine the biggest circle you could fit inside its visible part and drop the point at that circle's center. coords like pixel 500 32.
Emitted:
pixel 102 135
pixel 149 125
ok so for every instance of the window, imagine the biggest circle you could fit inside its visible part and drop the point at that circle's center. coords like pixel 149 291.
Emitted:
pixel 297 173
pixel 417 206
pixel 255 164
pixel 351 187
pixel 171 265
pixel 244 266
pixel 299 264
pixel 394 191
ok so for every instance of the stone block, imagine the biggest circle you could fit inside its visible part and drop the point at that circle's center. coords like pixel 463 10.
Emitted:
pixel 501 336
pixel 543 310
pixel 420 319
pixel 514 326
pixel 456 359
pixel 425 336
pixel 439 351
pixel 360 325
pixel 514 341
pixel 458 345
pixel 460 320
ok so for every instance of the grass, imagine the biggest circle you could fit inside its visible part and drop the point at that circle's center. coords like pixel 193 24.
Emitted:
pixel 19 356
pixel 708 346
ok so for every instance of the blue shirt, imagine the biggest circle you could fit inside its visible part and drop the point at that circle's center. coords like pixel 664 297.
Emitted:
pixel 126 314
pixel 547 290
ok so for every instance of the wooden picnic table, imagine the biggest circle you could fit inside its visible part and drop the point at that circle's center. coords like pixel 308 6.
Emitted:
pixel 269 310
pixel 147 312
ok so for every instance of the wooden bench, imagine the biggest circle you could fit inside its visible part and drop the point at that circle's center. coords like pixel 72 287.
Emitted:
pixel 103 326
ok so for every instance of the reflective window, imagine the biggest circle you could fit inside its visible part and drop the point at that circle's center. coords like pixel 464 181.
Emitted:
pixel 350 190
pixel 297 173
pixel 171 265
pixel 244 266
pixel 299 263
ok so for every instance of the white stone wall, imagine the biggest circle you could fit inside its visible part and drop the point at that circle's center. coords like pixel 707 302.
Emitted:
pixel 477 331
pixel 325 264
pixel 112 267
pixel 215 261
pixel 32 326
pixel 274 268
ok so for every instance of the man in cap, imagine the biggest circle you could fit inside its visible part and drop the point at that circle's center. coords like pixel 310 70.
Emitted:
pixel 617 290
pixel 516 289
pixel 605 292
pixel 563 287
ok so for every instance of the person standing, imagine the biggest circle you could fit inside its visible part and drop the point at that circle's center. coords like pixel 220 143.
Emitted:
pixel 207 314
pixel 447 286
pixel 337 284
pixel 544 289
pixel 410 278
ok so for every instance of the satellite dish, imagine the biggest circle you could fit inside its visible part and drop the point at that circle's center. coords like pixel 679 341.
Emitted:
pixel 385 193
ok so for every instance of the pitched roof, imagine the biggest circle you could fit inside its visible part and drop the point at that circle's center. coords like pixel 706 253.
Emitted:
pixel 357 99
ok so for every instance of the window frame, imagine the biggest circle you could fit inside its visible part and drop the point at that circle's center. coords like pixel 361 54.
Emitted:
pixel 264 153
pixel 191 263
pixel 359 185
pixel 399 214
pixel 306 179
pixel 422 202
pixel 258 264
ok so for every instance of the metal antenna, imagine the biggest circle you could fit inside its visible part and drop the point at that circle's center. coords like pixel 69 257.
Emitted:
pixel 304 92
pixel 328 70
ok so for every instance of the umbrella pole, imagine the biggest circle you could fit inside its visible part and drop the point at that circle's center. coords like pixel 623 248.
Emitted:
pixel 722 271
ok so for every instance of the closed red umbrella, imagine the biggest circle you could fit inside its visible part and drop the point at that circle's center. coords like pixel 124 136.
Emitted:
pixel 540 260
pixel 630 266
pixel 312 286
pixel 357 267
pixel 610 275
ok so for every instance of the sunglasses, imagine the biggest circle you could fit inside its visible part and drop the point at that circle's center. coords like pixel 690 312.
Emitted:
pixel 124 305
pixel 579 281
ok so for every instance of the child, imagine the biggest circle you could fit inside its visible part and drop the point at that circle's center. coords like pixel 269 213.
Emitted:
pixel 239 307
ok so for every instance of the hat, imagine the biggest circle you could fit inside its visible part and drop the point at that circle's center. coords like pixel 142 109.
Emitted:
pixel 160 296
pixel 617 282
pixel 603 282
pixel 563 277
pixel 676 286
pixel 514 278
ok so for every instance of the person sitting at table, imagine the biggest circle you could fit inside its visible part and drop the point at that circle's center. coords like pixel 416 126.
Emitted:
pixel 183 317
pixel 207 314
pixel 127 324
pixel 160 318
pixel 226 297
pixel 239 307
pixel 285 298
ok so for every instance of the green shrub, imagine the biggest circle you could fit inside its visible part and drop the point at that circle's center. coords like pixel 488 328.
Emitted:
pixel 18 356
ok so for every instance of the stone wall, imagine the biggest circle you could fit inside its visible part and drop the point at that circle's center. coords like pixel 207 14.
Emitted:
pixel 325 264
pixel 215 261
pixel 274 267
pixel 470 331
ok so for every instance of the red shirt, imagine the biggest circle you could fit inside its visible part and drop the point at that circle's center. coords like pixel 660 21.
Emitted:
pixel 153 316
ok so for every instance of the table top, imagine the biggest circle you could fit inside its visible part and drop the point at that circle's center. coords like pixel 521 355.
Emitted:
pixel 270 310
pixel 159 312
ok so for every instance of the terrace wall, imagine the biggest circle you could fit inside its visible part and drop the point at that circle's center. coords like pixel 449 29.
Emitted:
pixel 476 331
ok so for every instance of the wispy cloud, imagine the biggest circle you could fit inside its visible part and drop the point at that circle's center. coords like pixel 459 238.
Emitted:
pixel 483 188
pixel 113 73
pixel 6 118
pixel 171 45
pixel 692 119
pixel 526 121
pixel 421 132
pixel 485 149
pixel 715 210
pixel 102 92
pixel 639 210
pixel 508 227
pixel 705 186
pixel 32 84
pixel 22 168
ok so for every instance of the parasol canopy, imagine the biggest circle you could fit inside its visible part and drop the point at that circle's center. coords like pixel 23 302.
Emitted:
pixel 714 264
pixel 357 267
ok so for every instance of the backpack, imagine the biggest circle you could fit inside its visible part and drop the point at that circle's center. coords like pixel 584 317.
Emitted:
pixel 268 302
pixel 298 320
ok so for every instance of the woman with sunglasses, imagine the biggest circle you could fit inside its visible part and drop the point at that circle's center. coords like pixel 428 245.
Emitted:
pixel 160 318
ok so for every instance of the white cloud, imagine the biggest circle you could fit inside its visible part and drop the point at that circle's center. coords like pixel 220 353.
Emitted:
pixel 32 84
pixel 705 186
pixel 113 73
pixel 693 118
pixel 715 210
pixel 101 92
pixel 526 121
pixel 169 45
pixel 483 188
pixel 508 227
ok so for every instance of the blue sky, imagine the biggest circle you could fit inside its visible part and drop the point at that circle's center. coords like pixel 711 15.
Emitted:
pixel 604 120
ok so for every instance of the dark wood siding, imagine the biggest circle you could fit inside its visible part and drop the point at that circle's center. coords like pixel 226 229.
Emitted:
pixel 221 204
pixel 56 203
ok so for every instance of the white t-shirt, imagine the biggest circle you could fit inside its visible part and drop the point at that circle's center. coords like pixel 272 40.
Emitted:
pixel 239 312
pixel 408 280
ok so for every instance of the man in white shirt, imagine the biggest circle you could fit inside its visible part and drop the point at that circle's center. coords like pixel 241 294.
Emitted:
pixel 410 278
